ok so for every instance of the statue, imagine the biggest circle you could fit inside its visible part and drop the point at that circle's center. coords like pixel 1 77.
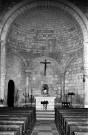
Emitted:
pixel 45 90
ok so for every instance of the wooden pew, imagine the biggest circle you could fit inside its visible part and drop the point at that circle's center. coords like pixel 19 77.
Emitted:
pixel 33 117
pixel 69 118
pixel 80 133
pixel 59 112
pixel 72 115
pixel 69 123
pixel 17 119
pixel 15 114
pixel 19 109
pixel 20 114
pixel 63 114
pixel 77 110
pixel 14 122
pixel 77 128
pixel 12 128
pixel 8 132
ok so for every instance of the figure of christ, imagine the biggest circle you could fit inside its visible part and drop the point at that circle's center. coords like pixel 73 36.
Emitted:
pixel 45 63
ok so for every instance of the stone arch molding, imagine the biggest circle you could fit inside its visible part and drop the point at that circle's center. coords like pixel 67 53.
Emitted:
pixel 23 6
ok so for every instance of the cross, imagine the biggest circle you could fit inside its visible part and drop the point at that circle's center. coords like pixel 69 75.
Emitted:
pixel 45 62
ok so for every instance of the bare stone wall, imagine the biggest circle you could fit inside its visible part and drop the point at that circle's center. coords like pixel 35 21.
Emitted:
pixel 15 71
pixel 0 64
pixel 59 38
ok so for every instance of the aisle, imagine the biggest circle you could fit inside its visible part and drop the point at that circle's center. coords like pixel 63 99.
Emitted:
pixel 44 127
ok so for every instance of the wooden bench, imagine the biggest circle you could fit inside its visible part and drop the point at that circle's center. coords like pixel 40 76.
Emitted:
pixel 80 133
pixel 16 119
pixel 12 128
pixel 68 123
pixel 12 122
pixel 59 112
pixel 19 112
pixel 72 116
pixel 77 128
pixel 68 117
pixel 22 117
pixel 8 132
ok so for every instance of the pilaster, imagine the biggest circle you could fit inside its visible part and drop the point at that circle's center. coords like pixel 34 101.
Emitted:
pixel 3 68
pixel 63 87
pixel 86 74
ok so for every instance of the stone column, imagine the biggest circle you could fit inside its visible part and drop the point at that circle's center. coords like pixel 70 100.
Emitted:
pixel 63 87
pixel 28 72
pixel 85 55
pixel 27 82
pixel 3 69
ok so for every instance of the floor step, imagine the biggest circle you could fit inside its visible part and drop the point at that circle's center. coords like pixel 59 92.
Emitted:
pixel 45 115
pixel 45 118
pixel 42 115
pixel 45 112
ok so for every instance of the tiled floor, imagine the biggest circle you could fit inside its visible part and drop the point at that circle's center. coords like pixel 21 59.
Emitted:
pixel 45 128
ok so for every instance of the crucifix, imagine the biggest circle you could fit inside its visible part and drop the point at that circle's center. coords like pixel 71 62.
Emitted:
pixel 45 62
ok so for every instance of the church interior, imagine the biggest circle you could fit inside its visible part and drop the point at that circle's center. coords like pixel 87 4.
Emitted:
pixel 44 67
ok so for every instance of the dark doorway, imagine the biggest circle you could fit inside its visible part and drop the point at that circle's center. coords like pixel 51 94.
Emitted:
pixel 10 95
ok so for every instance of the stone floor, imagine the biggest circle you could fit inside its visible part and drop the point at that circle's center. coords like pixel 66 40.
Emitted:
pixel 44 127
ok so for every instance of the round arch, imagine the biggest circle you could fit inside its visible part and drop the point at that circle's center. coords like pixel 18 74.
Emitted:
pixel 74 11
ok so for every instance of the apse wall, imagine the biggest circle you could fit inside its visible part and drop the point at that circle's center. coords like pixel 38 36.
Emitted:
pixel 45 32
pixel 15 71
pixel 0 67
pixel 50 32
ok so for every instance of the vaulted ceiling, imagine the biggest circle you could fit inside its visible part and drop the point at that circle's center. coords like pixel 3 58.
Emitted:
pixel 45 30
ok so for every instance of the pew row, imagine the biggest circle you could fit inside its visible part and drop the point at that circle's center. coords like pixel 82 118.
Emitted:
pixel 66 119
pixel 8 133
pixel 17 120
pixel 81 133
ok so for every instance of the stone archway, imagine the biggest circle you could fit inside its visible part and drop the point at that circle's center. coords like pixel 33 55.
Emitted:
pixel 23 6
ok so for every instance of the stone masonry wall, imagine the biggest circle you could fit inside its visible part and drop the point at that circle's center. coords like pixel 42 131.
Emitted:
pixel 58 38
pixel 16 72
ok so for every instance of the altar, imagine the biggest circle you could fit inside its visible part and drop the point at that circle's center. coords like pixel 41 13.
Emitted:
pixel 50 105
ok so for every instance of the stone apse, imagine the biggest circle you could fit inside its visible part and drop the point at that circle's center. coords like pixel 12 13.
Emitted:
pixel 39 33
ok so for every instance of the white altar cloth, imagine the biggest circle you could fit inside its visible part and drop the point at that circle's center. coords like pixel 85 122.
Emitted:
pixel 50 105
